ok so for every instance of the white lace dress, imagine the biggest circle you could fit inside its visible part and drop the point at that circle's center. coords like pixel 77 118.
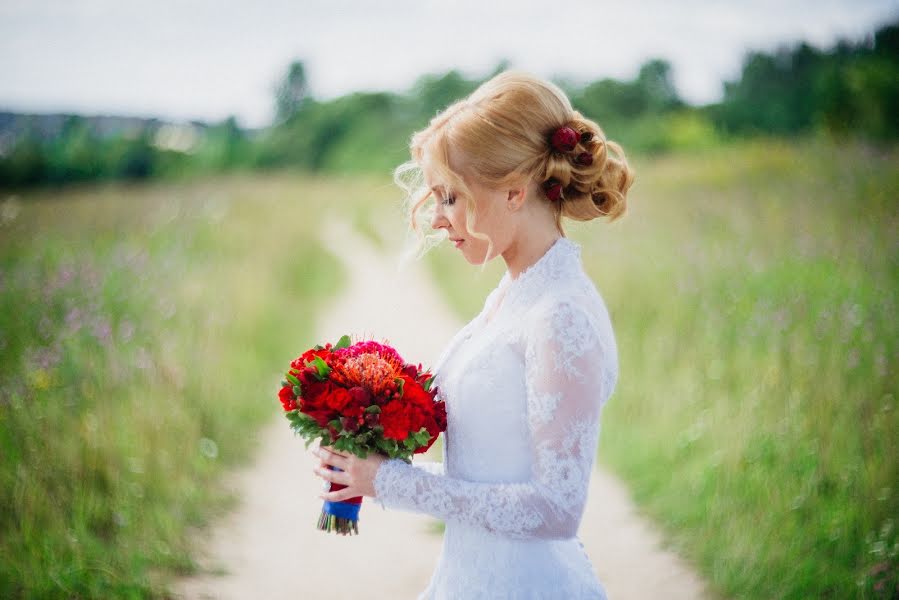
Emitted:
pixel 524 387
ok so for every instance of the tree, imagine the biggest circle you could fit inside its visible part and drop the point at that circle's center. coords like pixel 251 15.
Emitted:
pixel 291 93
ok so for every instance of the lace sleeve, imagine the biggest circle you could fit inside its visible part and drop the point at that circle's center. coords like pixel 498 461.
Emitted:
pixel 567 383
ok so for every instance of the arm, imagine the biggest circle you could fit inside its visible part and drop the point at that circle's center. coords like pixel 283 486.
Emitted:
pixel 567 382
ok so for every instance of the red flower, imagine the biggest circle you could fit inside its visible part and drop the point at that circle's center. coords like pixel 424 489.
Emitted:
pixel 338 399
pixel 321 416
pixel 584 158
pixel 553 189
pixel 564 139
pixel 288 400
pixel 411 370
pixel 309 355
pixel 315 395
pixel 440 415
pixel 396 420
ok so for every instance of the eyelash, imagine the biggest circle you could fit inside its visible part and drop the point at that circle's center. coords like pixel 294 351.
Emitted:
pixel 448 200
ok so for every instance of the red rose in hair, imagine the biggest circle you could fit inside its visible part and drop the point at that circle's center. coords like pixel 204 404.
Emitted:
pixel 584 158
pixel 553 189
pixel 564 139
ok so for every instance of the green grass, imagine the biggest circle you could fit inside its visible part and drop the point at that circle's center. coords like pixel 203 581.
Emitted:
pixel 753 291
pixel 752 288
pixel 144 330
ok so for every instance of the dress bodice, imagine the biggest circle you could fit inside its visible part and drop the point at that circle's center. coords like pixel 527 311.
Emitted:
pixel 524 390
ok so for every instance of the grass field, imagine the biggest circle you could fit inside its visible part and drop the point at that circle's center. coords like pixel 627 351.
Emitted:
pixel 145 329
pixel 752 288
pixel 753 291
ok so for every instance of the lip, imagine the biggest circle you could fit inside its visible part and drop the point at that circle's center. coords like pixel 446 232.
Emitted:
pixel 458 242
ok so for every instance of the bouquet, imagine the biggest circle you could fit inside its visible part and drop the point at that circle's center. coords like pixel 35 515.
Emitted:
pixel 360 398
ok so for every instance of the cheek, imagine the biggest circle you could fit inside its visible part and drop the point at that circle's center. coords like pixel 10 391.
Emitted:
pixel 459 218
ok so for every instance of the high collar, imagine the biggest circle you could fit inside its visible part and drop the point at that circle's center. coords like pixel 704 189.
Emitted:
pixel 560 261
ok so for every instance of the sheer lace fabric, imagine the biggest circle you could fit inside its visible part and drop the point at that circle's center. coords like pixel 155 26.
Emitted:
pixel 524 393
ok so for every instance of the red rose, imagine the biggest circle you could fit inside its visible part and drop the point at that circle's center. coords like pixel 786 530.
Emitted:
pixel 440 415
pixel 338 399
pixel 288 400
pixel 315 395
pixel 309 355
pixel 564 139
pixel 361 396
pixel 396 421
pixel 584 158
pixel 413 392
pixel 321 416
pixel 553 189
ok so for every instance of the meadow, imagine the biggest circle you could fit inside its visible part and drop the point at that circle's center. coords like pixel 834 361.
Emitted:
pixel 144 332
pixel 753 291
pixel 752 287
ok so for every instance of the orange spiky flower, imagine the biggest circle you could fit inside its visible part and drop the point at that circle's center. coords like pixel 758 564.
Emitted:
pixel 368 364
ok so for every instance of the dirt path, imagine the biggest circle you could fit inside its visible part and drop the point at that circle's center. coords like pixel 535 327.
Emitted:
pixel 269 547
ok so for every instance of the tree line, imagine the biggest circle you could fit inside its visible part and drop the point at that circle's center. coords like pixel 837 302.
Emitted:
pixel 849 90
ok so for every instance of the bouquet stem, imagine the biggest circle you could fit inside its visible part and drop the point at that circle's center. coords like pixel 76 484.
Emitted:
pixel 340 517
pixel 337 524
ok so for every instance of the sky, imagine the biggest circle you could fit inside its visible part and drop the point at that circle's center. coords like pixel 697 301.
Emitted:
pixel 208 59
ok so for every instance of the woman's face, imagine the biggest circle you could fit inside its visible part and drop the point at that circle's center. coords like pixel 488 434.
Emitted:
pixel 491 218
pixel 450 214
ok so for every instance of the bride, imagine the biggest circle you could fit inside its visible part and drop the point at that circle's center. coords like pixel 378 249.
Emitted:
pixel 526 379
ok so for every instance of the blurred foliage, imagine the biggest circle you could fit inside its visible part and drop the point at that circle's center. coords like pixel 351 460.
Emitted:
pixel 850 91
pixel 141 345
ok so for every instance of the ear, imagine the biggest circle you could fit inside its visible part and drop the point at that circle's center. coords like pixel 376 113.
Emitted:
pixel 515 198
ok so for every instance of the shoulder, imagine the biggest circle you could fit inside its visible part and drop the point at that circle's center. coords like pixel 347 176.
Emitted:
pixel 572 324
pixel 573 302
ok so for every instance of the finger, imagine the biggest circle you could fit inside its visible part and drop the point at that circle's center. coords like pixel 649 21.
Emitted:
pixel 335 476
pixel 337 452
pixel 338 495
pixel 337 460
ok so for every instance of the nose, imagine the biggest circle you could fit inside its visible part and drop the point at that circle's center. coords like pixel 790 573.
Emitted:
pixel 439 219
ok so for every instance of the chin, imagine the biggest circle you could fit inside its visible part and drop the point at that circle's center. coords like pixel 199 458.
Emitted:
pixel 478 258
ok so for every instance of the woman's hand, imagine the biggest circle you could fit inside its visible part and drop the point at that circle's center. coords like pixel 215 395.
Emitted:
pixel 358 473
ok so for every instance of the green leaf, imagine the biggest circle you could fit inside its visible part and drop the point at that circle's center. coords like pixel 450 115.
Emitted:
pixel 343 342
pixel 428 382
pixel 400 382
pixel 374 408
pixel 297 390
pixel 292 379
pixel 322 366
pixel 318 347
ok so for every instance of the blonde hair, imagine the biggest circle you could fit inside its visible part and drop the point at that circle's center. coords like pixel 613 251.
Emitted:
pixel 502 131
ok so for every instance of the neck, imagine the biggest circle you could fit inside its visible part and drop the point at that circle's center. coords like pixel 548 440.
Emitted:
pixel 527 250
